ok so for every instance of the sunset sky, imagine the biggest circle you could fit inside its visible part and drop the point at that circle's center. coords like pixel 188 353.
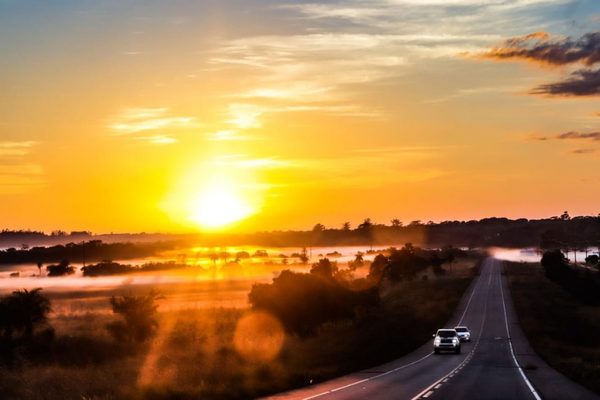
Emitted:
pixel 175 116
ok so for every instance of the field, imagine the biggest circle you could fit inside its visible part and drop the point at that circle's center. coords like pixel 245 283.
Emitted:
pixel 560 328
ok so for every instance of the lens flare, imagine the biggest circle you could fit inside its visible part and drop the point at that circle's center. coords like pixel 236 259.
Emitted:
pixel 258 337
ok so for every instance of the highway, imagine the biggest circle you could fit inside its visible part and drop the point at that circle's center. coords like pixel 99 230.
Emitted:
pixel 489 367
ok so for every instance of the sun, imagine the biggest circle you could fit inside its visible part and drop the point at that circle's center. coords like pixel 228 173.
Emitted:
pixel 218 205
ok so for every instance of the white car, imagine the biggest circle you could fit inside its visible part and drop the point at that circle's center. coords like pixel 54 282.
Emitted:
pixel 463 333
pixel 446 339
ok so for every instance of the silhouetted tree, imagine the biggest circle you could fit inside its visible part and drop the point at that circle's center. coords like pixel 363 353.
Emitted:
pixel 22 312
pixel 346 226
pixel 324 268
pixel 60 269
pixel 396 223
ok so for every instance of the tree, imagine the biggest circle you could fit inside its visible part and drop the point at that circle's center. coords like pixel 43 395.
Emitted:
pixel 324 268
pixel 366 224
pixel 138 314
pixel 346 226
pixel 318 228
pixel 60 269
pixel 22 312
pixel 396 223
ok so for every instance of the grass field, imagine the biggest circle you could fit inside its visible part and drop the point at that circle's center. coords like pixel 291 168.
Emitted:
pixel 561 329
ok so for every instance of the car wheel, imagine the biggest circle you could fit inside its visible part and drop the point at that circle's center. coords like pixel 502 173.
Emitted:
pixel 436 351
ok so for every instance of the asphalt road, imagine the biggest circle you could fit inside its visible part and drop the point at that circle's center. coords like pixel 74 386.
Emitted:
pixel 488 368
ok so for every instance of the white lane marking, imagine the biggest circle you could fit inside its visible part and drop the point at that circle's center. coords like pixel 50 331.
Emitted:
pixel 426 395
pixel 466 360
pixel 395 369
pixel 366 379
pixel 468 304
pixel 439 385
pixel 512 353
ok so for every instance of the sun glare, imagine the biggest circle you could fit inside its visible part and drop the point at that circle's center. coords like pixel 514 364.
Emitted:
pixel 219 205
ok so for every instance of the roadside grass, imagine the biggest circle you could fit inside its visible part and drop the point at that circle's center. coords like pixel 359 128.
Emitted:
pixel 561 329
pixel 193 355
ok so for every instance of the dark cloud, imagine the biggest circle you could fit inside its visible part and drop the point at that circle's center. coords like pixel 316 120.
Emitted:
pixel 583 82
pixel 539 47
pixel 579 135
pixel 571 135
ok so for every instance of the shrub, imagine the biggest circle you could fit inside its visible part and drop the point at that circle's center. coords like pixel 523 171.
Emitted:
pixel 138 314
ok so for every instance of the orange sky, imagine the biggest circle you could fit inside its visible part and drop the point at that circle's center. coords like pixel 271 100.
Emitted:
pixel 268 115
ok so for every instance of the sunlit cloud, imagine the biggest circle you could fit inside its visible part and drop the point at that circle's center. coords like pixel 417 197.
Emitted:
pixel 17 174
pixel 16 148
pixel 245 116
pixel 137 120
pixel 157 139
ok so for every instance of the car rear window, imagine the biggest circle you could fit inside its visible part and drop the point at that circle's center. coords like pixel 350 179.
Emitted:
pixel 446 334
pixel 462 330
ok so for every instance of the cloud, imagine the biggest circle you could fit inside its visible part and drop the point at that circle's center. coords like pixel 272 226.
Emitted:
pixel 8 149
pixel 539 47
pixel 579 135
pixel 157 139
pixel 583 151
pixel 583 82
pixel 570 135
pixel 17 174
pixel 135 120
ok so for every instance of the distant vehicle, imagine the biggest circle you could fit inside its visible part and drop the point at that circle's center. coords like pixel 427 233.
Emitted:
pixel 463 333
pixel 446 339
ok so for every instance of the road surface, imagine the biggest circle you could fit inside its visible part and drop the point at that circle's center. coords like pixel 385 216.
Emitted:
pixel 488 368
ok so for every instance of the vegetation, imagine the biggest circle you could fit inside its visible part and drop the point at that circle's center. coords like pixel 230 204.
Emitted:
pixel 580 282
pixel 138 314
pixel 560 325
pixel 60 269
pixel 190 354
pixel 21 313
pixel 93 250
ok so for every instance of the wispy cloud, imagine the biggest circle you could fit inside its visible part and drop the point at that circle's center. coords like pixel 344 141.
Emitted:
pixel 17 173
pixel 570 135
pixel 136 120
pixel 540 47
pixel 583 151
pixel 157 139
pixel 16 148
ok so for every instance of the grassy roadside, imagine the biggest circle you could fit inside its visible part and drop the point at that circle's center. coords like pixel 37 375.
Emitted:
pixel 194 355
pixel 562 330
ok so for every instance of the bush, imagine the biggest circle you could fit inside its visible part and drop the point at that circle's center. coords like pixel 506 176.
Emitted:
pixel 139 321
